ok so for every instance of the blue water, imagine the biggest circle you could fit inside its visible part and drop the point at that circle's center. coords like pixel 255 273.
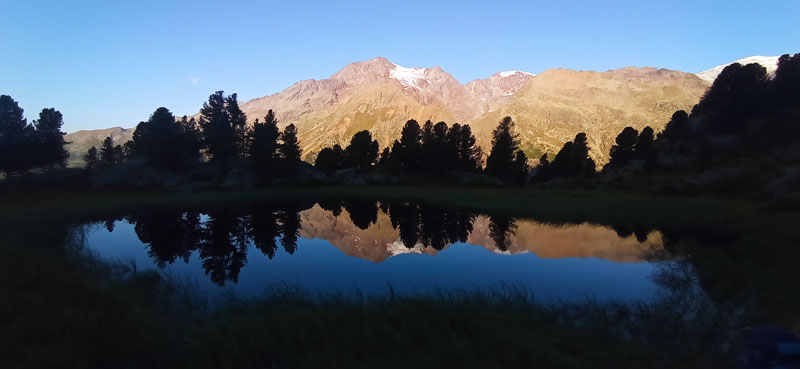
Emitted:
pixel 319 267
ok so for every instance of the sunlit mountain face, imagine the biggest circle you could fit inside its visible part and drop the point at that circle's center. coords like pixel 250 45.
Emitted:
pixel 549 107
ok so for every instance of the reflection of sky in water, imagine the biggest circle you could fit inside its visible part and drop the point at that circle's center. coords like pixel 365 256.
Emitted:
pixel 318 266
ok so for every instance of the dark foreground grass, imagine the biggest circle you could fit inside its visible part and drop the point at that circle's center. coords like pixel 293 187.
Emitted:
pixel 100 315
pixel 64 309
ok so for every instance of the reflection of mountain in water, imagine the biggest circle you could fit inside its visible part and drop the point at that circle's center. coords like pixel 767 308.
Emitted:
pixel 380 240
pixel 367 230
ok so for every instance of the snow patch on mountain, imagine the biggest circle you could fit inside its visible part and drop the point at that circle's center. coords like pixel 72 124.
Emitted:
pixel 510 73
pixel 769 62
pixel 410 77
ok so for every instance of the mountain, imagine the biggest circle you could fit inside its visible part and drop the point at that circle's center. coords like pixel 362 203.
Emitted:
pixel 769 62
pixel 79 142
pixel 559 103
pixel 549 108
pixel 380 96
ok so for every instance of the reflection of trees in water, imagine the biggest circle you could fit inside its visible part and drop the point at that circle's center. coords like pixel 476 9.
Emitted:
pixel 290 228
pixel 224 250
pixel 169 236
pixel 362 213
pixel 501 228
pixel 264 229
pixel 222 240
pixel 428 225
pixel 641 232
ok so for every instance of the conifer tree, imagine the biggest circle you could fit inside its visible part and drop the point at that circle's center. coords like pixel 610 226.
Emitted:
pixel 573 159
pixel 331 159
pixel 238 121
pixel 219 134
pixel 16 138
pixel 645 147
pixel 505 144
pixel 520 167
pixel 165 141
pixel 362 151
pixel 264 143
pixel 622 152
pixel 384 158
pixel 406 152
pixel 50 139
pixel 90 159
pixel 289 148
pixel 107 154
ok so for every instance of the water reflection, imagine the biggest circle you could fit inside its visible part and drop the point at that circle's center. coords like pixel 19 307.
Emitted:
pixel 220 238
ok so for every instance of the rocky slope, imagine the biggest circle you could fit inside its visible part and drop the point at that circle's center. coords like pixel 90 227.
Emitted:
pixel 558 103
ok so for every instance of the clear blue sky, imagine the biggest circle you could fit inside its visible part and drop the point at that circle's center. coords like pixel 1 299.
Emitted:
pixel 112 63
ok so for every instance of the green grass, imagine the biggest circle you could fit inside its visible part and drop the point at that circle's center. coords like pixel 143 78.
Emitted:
pixel 68 310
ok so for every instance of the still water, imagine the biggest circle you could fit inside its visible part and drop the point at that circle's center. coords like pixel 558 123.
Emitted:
pixel 365 247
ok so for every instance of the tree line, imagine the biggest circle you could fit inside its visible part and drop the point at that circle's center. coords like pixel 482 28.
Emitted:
pixel 431 150
pixel 221 135
pixel 25 146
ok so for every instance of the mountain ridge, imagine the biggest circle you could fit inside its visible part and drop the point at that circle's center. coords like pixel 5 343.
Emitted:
pixel 549 107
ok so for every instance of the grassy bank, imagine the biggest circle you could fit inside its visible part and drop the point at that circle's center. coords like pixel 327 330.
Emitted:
pixel 554 206
pixel 69 310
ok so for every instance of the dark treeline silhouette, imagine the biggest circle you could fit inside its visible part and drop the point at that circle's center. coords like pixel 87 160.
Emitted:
pixel 221 135
pixel 432 150
pixel 571 161
pixel 25 146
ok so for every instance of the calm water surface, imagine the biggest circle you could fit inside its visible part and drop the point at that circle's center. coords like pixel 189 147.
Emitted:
pixel 366 246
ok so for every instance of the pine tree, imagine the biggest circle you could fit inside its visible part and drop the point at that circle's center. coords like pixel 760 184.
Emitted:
pixel 288 148
pixel 645 147
pixel 50 140
pixel 331 159
pixel 573 159
pixel 264 143
pixel 219 134
pixel 505 144
pixel 90 159
pixel 520 167
pixel 622 152
pixel 405 154
pixel 119 154
pixel 107 157
pixel 362 151
pixel 543 170
pixel 166 141
pixel 16 138
pixel 468 155
pixel 384 158
pixel 238 121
